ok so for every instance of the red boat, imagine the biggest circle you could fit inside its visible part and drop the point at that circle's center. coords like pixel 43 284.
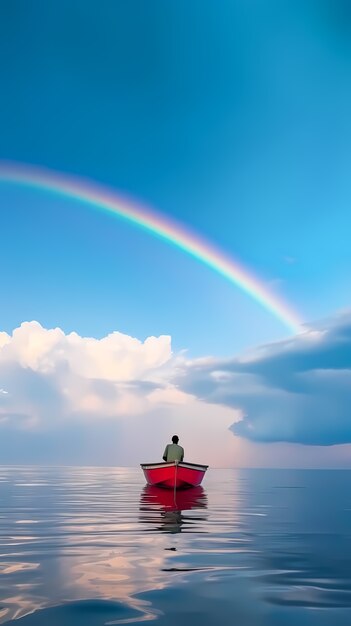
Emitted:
pixel 173 474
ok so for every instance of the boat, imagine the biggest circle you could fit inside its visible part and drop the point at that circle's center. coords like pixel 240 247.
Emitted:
pixel 174 475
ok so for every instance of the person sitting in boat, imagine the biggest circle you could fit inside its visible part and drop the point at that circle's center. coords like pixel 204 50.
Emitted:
pixel 173 452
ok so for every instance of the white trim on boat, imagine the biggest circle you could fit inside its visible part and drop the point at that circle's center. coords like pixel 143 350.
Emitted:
pixel 156 465
pixel 193 466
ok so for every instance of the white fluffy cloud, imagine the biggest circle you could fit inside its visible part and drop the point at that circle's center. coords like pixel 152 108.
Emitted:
pixel 47 375
pixel 116 357
pixel 70 399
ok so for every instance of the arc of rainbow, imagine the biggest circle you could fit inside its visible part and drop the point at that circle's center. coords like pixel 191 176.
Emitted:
pixel 98 197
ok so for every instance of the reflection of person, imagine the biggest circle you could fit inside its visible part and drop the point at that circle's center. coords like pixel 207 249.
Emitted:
pixel 163 510
pixel 173 452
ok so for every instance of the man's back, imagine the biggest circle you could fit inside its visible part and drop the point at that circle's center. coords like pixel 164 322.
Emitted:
pixel 173 452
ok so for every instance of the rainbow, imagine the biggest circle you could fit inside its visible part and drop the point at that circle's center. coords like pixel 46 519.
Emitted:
pixel 98 197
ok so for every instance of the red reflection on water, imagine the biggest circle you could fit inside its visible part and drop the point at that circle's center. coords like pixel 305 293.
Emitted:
pixel 170 500
pixel 165 508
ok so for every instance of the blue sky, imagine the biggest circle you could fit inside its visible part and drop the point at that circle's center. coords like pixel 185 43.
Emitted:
pixel 232 117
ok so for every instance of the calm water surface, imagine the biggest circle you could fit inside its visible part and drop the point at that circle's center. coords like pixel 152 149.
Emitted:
pixel 94 546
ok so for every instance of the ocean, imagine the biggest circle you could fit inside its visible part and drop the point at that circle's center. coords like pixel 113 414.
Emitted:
pixel 85 546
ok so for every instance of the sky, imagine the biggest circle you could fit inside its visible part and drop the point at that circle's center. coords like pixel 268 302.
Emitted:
pixel 231 119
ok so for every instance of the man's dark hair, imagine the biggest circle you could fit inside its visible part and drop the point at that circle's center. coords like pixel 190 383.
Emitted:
pixel 175 439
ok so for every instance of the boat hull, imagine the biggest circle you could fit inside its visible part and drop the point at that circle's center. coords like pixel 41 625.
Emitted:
pixel 174 475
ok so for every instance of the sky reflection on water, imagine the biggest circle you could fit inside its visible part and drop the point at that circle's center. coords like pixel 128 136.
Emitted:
pixel 96 546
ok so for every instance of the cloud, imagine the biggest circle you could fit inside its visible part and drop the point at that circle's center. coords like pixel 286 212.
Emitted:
pixel 80 400
pixel 114 357
pixel 50 376
pixel 297 390
pixel 70 399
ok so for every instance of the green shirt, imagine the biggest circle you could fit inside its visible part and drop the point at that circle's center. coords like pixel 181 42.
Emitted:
pixel 173 452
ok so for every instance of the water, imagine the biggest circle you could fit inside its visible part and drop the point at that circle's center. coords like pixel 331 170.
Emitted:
pixel 93 546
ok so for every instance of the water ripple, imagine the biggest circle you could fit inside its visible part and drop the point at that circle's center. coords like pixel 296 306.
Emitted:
pixel 96 546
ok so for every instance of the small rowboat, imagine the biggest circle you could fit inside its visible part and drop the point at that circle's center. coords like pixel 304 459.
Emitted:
pixel 174 475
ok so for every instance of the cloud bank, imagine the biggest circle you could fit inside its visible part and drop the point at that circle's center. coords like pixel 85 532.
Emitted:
pixel 296 391
pixel 73 400
pixel 47 376
pixel 117 400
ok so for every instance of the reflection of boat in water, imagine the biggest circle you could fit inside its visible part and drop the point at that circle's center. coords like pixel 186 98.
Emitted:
pixel 165 507
pixel 174 474
pixel 169 500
